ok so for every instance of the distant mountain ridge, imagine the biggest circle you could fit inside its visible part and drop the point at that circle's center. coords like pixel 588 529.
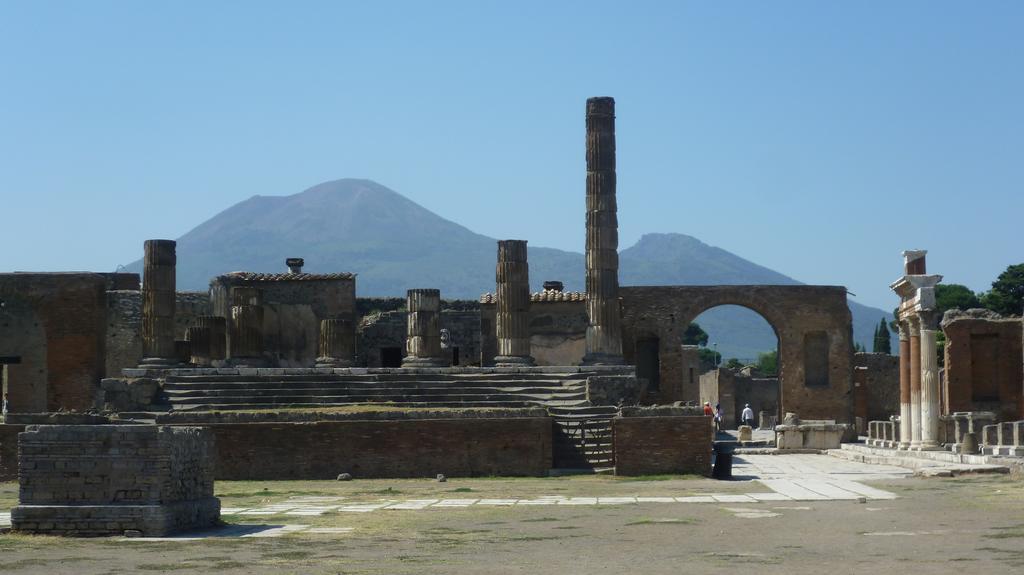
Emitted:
pixel 394 244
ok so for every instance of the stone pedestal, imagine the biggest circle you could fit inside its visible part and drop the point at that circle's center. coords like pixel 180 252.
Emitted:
pixel 604 329
pixel 337 342
pixel 746 433
pixel 246 345
pixel 96 480
pixel 423 331
pixel 513 305
pixel 218 339
pixel 158 301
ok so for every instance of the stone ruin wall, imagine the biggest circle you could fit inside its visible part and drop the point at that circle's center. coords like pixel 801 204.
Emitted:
pixel 876 385
pixel 558 331
pixel 123 345
pixel 55 322
pixel 387 329
pixel 983 365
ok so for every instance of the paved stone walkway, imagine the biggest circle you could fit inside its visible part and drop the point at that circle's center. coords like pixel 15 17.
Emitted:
pixel 790 478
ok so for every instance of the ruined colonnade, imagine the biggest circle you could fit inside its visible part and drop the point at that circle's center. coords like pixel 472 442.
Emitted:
pixel 919 366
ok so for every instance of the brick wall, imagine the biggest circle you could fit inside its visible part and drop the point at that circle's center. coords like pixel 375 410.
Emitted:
pixel 56 323
pixel 670 444
pixel 879 374
pixel 9 451
pixel 984 367
pixel 400 448
pixel 106 479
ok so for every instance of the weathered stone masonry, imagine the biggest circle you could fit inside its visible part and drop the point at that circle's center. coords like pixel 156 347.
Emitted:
pixel 94 480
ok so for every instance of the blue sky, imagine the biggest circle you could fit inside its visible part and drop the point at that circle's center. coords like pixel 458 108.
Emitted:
pixel 816 138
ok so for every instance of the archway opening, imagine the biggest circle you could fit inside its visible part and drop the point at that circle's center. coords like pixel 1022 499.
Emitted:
pixel 739 364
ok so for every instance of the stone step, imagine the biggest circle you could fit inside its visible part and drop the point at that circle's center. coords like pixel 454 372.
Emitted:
pixel 358 398
pixel 590 411
pixel 924 462
pixel 177 395
pixel 369 384
pixel 308 405
pixel 482 378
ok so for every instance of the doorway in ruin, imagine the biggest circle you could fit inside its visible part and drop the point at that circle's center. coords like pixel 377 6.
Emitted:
pixel 647 356
pixel 738 362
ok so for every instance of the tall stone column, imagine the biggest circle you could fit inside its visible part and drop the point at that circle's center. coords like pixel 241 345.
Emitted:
pixel 218 338
pixel 513 305
pixel 915 382
pixel 604 328
pixel 337 342
pixel 158 285
pixel 423 331
pixel 246 345
pixel 906 417
pixel 929 382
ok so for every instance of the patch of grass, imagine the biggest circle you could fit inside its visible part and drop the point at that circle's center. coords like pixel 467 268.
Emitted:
pixel 1009 532
pixel 461 490
pixel 386 491
pixel 164 566
pixel 540 519
pixel 288 555
pixel 661 477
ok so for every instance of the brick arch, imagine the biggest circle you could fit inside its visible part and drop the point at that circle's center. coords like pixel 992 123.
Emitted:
pixel 798 314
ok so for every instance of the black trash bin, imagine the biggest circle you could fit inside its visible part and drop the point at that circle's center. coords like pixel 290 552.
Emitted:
pixel 723 461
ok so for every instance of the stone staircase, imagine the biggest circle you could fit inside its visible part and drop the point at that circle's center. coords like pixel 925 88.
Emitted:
pixel 582 438
pixel 206 392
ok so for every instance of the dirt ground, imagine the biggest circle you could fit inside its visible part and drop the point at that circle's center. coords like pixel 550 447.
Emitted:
pixel 937 525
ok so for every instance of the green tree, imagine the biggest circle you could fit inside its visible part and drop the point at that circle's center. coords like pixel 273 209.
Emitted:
pixel 1007 294
pixel 857 347
pixel 768 363
pixel 733 363
pixel 709 358
pixel 954 296
pixel 883 339
pixel 694 335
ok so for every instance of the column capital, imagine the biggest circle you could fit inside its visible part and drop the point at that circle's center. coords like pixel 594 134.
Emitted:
pixel 903 329
pixel 929 320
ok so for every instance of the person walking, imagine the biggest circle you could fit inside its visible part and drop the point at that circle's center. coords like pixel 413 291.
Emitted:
pixel 748 415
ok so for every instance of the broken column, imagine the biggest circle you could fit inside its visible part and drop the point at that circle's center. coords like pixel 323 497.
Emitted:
pixel 246 346
pixel 423 332
pixel 906 416
pixel 916 290
pixel 158 300
pixel 513 305
pixel 337 342
pixel 604 328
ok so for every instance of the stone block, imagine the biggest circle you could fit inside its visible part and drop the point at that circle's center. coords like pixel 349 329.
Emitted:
pixel 613 390
pixel 746 433
pixel 84 479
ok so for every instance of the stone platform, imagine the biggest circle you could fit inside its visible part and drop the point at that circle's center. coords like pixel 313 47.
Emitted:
pixel 939 463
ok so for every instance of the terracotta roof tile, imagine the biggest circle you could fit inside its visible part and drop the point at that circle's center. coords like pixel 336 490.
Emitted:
pixel 263 277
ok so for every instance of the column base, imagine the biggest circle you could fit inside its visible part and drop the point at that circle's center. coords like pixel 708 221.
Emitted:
pixel 424 362
pixel 929 446
pixel 603 359
pixel 903 446
pixel 514 361
pixel 332 362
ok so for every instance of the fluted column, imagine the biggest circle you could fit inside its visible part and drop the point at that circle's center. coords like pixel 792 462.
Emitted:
pixel 512 319
pixel 423 331
pixel 158 285
pixel 199 344
pixel 246 346
pixel 915 382
pixel 604 328
pixel 929 382
pixel 218 338
pixel 337 342
pixel 906 417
